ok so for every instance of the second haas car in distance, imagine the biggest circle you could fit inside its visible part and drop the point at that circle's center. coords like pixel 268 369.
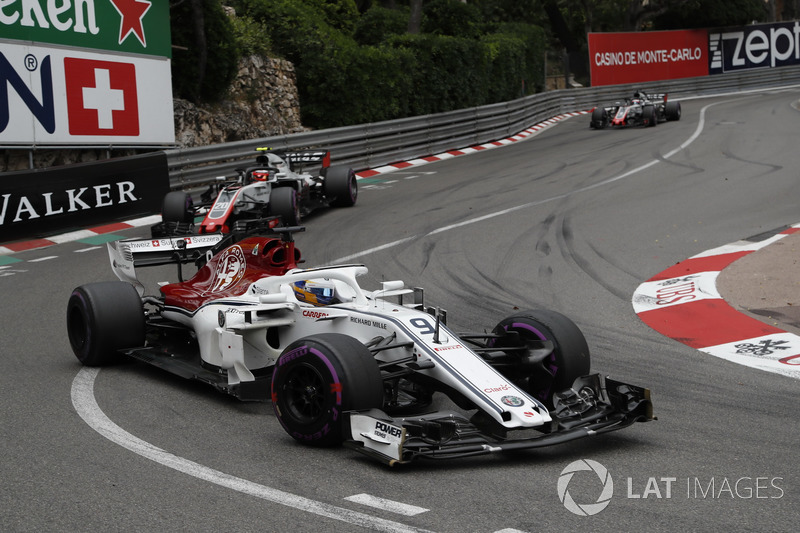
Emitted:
pixel 275 186
pixel 640 110
pixel 343 364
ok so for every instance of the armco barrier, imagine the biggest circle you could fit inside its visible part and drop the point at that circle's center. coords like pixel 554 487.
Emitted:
pixel 376 144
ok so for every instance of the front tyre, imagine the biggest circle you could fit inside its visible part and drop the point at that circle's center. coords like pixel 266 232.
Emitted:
pixel 283 202
pixel 341 186
pixel 649 116
pixel 599 118
pixel 319 377
pixel 568 360
pixel 103 318
pixel 177 207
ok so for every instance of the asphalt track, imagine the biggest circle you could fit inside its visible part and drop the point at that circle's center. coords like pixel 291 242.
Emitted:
pixel 571 219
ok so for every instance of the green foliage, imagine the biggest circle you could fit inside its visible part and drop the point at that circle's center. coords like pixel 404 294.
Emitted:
pixel 712 14
pixel 506 62
pixel 357 85
pixel 448 72
pixel 450 17
pixel 252 37
pixel 378 24
pixel 534 45
pixel 379 72
pixel 341 15
pixel 525 11
pixel 202 70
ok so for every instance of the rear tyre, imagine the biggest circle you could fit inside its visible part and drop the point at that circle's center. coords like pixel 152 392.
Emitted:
pixel 283 202
pixel 319 377
pixel 103 318
pixel 177 207
pixel 341 186
pixel 599 118
pixel 672 110
pixel 557 371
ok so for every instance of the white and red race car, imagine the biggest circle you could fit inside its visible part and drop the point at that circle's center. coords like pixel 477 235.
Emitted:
pixel 640 110
pixel 275 186
pixel 341 363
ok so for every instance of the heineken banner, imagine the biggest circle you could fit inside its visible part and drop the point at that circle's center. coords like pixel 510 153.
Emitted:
pixel 85 72
pixel 133 26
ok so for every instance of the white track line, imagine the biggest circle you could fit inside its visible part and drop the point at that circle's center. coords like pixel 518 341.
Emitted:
pixel 387 505
pixel 85 404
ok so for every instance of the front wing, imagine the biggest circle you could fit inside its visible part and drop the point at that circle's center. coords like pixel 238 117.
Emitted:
pixel 592 406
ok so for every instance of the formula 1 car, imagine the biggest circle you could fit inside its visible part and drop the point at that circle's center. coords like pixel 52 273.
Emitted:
pixel 342 364
pixel 641 110
pixel 276 185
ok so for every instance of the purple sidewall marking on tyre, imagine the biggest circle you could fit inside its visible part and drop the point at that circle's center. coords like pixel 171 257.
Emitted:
pixel 543 394
pixel 334 375
pixel 520 325
pixel 302 350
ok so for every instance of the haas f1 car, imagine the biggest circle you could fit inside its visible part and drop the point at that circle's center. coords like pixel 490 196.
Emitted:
pixel 343 364
pixel 275 186
pixel 640 110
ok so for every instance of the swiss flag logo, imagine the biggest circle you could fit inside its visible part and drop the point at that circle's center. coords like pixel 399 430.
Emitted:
pixel 101 97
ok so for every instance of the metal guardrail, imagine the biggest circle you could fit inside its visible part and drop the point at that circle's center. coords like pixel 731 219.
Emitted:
pixel 380 143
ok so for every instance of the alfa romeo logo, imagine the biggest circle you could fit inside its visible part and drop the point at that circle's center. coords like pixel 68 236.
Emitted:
pixel 585 509
pixel 230 269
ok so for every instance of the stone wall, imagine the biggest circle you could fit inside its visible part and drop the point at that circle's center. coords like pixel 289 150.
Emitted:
pixel 263 101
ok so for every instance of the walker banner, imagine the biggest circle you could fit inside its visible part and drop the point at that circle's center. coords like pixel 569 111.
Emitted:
pixel 35 203
pixel 63 96
pixel 617 58
pixel 120 26
pixel 758 46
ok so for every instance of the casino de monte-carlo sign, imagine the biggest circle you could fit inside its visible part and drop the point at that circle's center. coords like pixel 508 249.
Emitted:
pixel 85 72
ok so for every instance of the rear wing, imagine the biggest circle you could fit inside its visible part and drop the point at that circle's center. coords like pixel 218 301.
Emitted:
pixel 309 157
pixel 128 254
pixel 657 96
pixel 301 158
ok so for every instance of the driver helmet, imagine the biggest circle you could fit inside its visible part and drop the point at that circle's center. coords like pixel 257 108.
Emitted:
pixel 316 292
pixel 260 175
